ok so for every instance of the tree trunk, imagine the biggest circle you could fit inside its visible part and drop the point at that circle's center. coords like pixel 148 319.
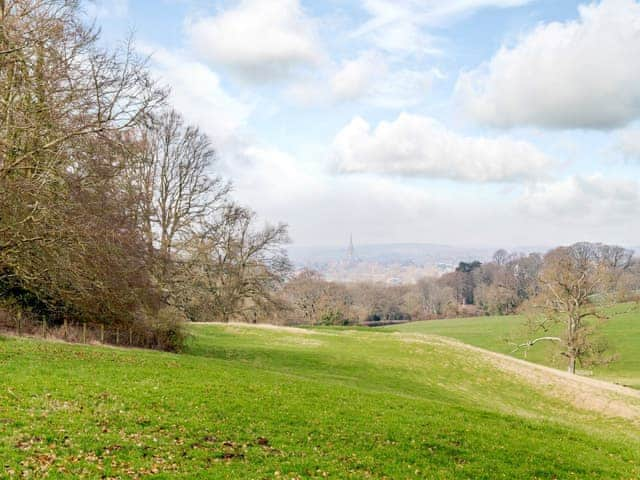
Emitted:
pixel 572 364
pixel 572 340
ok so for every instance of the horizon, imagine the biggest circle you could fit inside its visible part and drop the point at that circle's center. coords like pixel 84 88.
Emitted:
pixel 510 248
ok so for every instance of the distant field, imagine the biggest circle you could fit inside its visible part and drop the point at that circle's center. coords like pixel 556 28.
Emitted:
pixel 273 403
pixel 622 331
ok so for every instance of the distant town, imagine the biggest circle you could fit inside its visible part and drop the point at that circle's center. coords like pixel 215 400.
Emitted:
pixel 392 264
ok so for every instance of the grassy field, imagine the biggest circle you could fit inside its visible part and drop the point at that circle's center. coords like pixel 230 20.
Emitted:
pixel 622 331
pixel 264 403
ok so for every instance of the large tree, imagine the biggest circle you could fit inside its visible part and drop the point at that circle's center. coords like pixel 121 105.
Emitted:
pixel 173 171
pixel 69 245
pixel 314 301
pixel 60 95
pixel 575 283
pixel 106 195
pixel 231 269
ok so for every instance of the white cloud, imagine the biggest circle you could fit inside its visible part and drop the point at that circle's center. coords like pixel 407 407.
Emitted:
pixel 579 74
pixel 591 199
pixel 399 25
pixel 356 76
pixel 269 176
pixel 417 145
pixel 259 39
pixel 322 208
pixel 197 93
pixel 370 79
pixel 395 27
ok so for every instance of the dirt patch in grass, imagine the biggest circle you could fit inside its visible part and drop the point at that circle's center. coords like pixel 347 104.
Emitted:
pixel 265 326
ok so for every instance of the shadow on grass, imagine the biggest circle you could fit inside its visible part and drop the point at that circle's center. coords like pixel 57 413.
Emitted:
pixel 353 370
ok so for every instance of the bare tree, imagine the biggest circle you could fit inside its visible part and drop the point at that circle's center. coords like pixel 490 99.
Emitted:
pixel 316 301
pixel 68 244
pixel 575 282
pixel 173 173
pixel 434 297
pixel 234 269
pixel 304 293
pixel 501 257
pixel 57 85
pixel 58 90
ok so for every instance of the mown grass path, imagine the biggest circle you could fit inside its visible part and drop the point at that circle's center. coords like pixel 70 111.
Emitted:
pixel 621 330
pixel 253 403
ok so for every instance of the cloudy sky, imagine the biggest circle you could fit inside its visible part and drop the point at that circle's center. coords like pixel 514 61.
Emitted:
pixel 465 122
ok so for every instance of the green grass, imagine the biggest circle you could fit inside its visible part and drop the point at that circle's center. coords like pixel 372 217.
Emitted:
pixel 260 403
pixel 621 330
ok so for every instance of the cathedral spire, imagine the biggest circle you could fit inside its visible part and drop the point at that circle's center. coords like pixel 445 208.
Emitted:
pixel 351 252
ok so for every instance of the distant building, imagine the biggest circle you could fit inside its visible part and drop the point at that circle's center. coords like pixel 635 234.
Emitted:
pixel 351 251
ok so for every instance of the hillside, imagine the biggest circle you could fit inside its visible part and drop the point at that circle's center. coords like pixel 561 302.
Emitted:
pixel 621 330
pixel 251 402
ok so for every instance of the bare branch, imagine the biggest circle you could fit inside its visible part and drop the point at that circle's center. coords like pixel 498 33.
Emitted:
pixel 531 343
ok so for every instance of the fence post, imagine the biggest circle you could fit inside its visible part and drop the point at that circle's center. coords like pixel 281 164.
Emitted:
pixel 102 333
pixel 66 328
pixel 130 336
pixel 117 336
pixel 84 332
pixel 19 319
pixel 44 327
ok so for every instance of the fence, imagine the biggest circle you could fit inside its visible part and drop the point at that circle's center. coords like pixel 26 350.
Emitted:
pixel 146 336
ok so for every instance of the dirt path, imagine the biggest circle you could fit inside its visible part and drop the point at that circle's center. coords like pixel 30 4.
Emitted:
pixel 585 393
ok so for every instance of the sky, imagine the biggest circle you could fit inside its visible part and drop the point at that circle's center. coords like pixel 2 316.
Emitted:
pixel 461 122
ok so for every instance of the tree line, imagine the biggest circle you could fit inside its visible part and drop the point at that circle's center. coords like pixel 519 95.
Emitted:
pixel 109 210
pixel 565 290
pixel 473 288
pixel 508 284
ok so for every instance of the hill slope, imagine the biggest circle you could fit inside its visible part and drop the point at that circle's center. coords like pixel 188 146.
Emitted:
pixel 622 332
pixel 255 402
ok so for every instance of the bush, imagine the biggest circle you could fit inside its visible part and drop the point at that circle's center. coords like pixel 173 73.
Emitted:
pixel 169 330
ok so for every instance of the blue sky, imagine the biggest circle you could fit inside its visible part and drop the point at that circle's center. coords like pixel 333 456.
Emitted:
pixel 467 122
